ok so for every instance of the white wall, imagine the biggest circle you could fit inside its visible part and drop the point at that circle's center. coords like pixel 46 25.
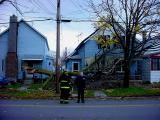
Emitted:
pixel 155 76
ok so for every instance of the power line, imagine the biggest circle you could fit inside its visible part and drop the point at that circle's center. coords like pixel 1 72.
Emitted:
pixel 13 4
pixel 81 20
pixel 39 5
pixel 30 21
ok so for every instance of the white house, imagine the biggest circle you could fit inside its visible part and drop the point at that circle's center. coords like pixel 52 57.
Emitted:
pixel 21 45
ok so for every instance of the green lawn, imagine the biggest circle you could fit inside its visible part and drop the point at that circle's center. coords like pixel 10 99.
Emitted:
pixel 27 94
pixel 35 93
pixel 35 86
pixel 14 86
pixel 132 92
pixel 89 93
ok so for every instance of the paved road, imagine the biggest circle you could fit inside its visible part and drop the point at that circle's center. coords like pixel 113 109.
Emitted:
pixel 92 109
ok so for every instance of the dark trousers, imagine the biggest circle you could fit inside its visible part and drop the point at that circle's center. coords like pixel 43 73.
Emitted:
pixel 64 95
pixel 80 95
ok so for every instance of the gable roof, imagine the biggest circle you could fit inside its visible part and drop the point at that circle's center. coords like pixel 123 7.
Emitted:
pixel 156 48
pixel 83 42
pixel 6 30
pixel 36 31
pixel 86 39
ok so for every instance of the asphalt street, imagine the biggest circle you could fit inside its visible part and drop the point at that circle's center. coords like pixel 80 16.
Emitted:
pixel 92 109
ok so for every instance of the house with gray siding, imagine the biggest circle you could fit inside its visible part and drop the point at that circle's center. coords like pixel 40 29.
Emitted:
pixel 23 46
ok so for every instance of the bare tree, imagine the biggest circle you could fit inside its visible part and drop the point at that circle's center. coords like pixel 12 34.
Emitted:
pixel 1 2
pixel 13 4
pixel 130 17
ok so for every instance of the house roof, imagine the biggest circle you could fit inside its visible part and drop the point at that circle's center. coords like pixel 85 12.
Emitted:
pixel 22 21
pixel 86 39
pixel 77 57
pixel 82 43
pixel 72 55
pixel 32 57
pixel 2 33
pixel 156 48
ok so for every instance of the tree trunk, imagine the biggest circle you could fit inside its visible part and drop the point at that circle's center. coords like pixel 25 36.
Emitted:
pixel 126 75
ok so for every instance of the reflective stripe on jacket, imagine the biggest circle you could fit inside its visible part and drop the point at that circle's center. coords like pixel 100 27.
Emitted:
pixel 64 84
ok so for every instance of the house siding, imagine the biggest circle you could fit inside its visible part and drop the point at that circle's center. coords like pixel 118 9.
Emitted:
pixel 30 45
pixel 69 65
pixel 91 48
pixel 81 53
pixel 146 69
pixel 133 68
pixel 86 52
pixel 155 76
pixel 3 51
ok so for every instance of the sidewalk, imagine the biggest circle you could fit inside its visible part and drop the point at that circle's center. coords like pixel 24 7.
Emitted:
pixel 97 94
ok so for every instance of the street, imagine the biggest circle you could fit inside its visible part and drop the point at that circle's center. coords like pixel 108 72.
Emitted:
pixel 92 109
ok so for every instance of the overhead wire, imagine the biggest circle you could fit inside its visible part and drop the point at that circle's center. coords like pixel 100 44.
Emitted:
pixel 29 21
pixel 51 3
pixel 82 20
pixel 34 2
pixel 39 5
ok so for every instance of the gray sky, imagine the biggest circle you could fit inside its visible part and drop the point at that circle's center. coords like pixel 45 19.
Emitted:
pixel 71 33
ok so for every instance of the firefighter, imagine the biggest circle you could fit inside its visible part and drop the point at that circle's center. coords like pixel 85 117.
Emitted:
pixel 64 88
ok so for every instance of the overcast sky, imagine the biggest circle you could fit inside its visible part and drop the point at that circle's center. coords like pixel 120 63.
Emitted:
pixel 71 33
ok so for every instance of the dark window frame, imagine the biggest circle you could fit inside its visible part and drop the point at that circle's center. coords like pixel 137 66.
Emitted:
pixel 155 63
pixel 77 66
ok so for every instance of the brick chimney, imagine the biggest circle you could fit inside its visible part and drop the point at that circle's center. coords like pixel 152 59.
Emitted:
pixel 11 59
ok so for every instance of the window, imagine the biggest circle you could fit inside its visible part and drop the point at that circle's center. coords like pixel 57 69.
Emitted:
pixel 155 64
pixel 75 67
pixel 139 67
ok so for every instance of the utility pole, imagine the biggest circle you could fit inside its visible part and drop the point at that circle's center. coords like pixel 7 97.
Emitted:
pixel 58 47
pixel 58 61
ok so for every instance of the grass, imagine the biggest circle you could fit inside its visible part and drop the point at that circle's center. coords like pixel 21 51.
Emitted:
pixel 89 93
pixel 35 86
pixel 132 92
pixel 14 86
pixel 28 94
pixel 34 93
